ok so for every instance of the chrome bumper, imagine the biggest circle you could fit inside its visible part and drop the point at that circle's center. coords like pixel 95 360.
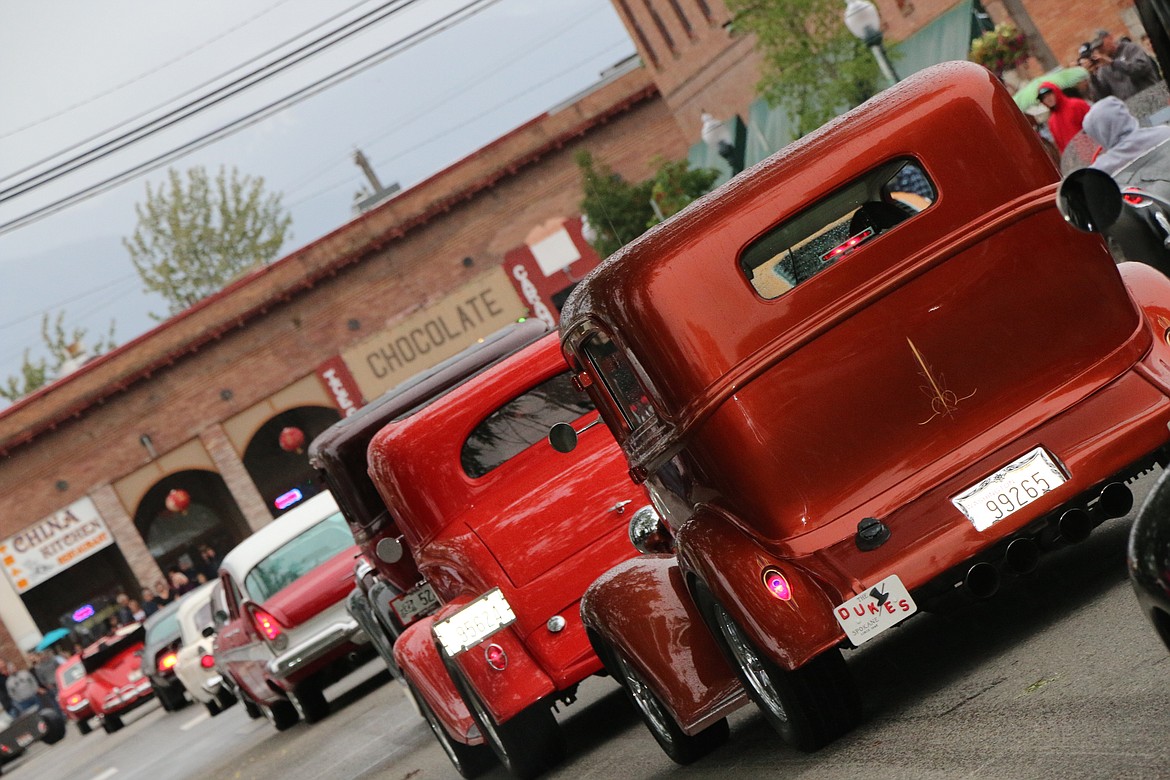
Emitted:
pixel 316 646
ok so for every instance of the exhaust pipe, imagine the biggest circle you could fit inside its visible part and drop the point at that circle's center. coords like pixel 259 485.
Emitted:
pixel 1115 500
pixel 1022 555
pixel 982 580
pixel 1075 525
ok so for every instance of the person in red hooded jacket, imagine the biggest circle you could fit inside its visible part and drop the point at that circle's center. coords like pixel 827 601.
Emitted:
pixel 1066 113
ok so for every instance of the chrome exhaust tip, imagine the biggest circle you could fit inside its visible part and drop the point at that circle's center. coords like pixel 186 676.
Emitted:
pixel 1075 525
pixel 982 580
pixel 1115 500
pixel 1022 555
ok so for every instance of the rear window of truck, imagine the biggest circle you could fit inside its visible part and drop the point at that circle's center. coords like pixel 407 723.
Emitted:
pixel 834 227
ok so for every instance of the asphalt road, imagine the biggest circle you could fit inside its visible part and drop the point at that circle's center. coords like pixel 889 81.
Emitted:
pixel 1057 676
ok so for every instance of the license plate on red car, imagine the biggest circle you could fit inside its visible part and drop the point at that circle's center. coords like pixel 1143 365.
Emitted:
pixel 419 601
pixel 474 623
pixel 874 610
pixel 1010 489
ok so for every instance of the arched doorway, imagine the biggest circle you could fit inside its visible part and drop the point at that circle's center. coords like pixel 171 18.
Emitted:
pixel 211 517
pixel 284 477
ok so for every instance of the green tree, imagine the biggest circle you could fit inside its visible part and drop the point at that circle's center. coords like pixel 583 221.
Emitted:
pixel 619 211
pixel 193 237
pixel 66 350
pixel 812 66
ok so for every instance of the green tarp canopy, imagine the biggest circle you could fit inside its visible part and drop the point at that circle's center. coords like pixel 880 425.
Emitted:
pixel 768 129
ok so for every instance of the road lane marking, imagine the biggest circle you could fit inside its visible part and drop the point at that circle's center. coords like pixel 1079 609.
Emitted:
pixel 106 775
pixel 194 722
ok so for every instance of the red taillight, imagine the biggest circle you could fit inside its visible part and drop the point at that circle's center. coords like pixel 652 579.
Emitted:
pixel 167 662
pixel 777 584
pixel 496 657
pixel 266 625
pixel 207 661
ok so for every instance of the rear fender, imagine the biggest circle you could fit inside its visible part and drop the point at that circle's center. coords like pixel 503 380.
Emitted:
pixel 1150 290
pixel 731 565
pixel 642 609
pixel 418 657
pixel 505 692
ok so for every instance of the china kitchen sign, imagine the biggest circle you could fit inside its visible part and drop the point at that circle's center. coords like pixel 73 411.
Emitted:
pixel 53 544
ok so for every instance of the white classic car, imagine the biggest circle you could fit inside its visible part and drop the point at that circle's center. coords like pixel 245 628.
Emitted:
pixel 195 666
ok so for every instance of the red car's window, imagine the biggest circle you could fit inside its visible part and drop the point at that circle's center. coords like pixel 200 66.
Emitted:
pixel 522 422
pixel 618 375
pixel 833 228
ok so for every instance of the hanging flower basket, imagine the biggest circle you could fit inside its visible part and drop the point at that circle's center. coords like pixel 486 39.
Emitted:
pixel 1002 49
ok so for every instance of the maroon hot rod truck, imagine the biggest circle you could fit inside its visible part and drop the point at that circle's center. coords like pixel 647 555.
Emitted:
pixel 875 368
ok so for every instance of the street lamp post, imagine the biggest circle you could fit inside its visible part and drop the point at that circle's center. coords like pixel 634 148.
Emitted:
pixel 862 19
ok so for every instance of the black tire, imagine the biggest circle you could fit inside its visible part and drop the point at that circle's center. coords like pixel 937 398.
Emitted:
pixel 52 726
pixel 281 714
pixel 111 723
pixel 309 700
pixel 528 745
pixel 682 748
pixel 808 707
pixel 213 707
pixel 250 707
pixel 171 698
pixel 470 761
pixel 225 699
pixel 84 727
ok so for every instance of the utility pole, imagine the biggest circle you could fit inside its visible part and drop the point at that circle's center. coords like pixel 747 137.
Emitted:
pixel 380 193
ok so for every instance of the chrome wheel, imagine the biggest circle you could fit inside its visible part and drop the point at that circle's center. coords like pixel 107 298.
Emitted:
pixel 645 700
pixel 754 668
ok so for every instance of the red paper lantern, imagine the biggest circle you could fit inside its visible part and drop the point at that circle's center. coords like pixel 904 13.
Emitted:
pixel 178 500
pixel 292 440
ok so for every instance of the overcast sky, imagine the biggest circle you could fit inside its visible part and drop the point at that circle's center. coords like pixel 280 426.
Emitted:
pixel 76 73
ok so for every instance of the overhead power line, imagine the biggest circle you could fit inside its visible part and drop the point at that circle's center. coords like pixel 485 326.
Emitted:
pixel 393 49
pixel 155 70
pixel 202 103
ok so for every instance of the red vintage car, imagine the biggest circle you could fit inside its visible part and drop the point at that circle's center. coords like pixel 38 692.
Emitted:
pixel 115 684
pixel 389 593
pixel 509 536
pixel 875 368
pixel 72 694
pixel 285 635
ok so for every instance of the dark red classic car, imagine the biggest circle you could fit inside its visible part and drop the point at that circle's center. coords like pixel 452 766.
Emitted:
pixel 286 635
pixel 509 535
pixel 875 368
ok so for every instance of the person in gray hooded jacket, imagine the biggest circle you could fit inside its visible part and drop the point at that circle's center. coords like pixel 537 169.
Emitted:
pixel 1129 153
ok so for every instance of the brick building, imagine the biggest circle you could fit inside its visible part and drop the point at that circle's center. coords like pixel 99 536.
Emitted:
pixel 124 467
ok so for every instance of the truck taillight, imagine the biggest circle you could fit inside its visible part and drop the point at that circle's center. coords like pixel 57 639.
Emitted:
pixel 207 661
pixel 168 661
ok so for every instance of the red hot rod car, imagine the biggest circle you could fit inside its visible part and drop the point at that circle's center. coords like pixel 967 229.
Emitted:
pixel 873 368
pixel 509 536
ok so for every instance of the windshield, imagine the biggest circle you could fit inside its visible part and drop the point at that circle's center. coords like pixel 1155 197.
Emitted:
pixel 298 557
pixel 160 630
pixel 72 673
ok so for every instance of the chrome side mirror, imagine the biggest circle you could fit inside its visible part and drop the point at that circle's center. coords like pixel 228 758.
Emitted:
pixel 563 437
pixel 389 550
pixel 648 534
pixel 1089 200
